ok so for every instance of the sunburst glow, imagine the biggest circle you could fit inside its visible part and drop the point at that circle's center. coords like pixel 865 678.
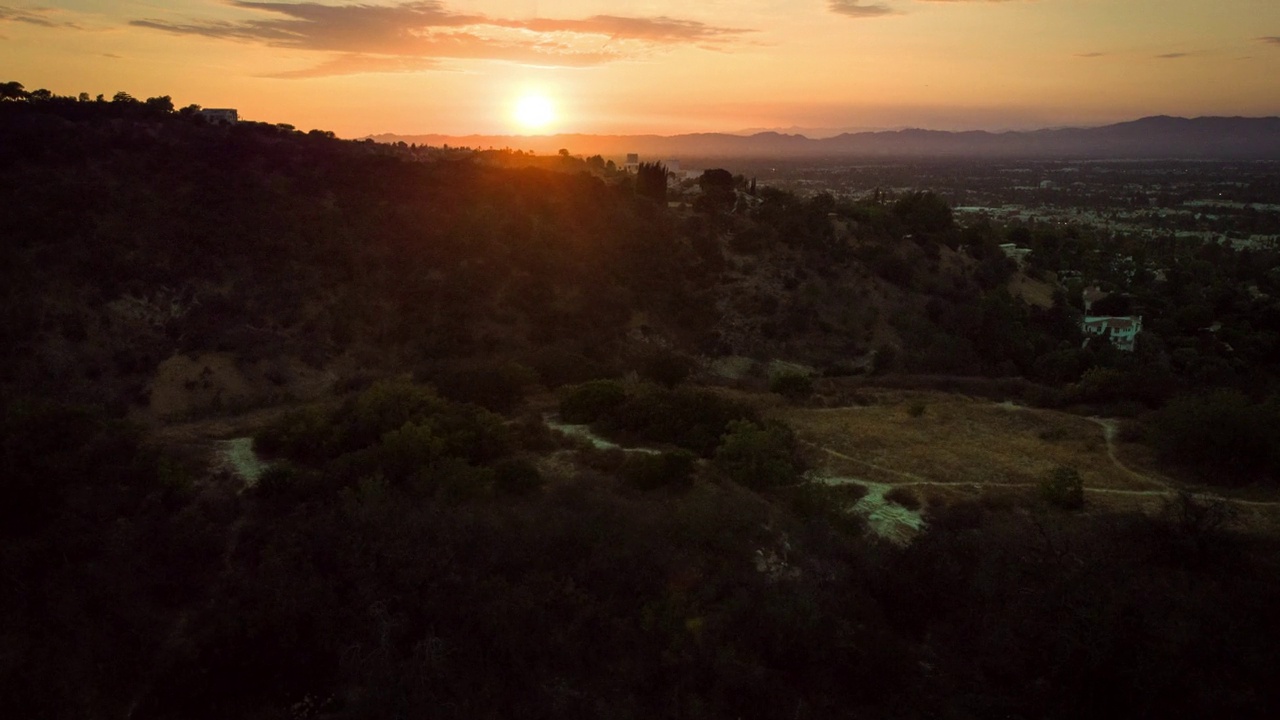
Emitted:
pixel 534 112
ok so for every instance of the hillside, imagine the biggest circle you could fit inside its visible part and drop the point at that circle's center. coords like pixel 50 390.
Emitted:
pixel 295 427
pixel 299 257
pixel 1204 138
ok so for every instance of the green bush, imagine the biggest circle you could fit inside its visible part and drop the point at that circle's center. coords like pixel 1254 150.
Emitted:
pixel 664 367
pixel 648 471
pixel 588 402
pixel 455 480
pixel 280 482
pixel 792 385
pixel 302 434
pixel 1221 434
pixel 917 409
pixel 556 367
pixel 363 426
pixel 496 387
pixel 405 453
pixel 690 418
pixel 516 476
pixel 758 456
pixel 904 497
pixel 1063 489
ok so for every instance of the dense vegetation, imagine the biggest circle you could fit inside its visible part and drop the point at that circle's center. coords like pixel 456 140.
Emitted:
pixel 417 548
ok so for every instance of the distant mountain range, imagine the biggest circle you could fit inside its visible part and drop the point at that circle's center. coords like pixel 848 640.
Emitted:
pixel 1162 137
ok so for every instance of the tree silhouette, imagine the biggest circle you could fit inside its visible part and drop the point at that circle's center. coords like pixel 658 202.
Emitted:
pixel 651 181
pixel 13 91
pixel 717 190
pixel 162 104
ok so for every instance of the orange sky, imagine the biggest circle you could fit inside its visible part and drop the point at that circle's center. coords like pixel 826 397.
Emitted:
pixel 368 66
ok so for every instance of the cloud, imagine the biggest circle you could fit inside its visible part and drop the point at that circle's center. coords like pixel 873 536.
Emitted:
pixel 860 8
pixel 660 29
pixel 358 64
pixel 42 17
pixel 1091 55
pixel 412 36
pixel 866 9
pixel 1173 55
pixel 1270 39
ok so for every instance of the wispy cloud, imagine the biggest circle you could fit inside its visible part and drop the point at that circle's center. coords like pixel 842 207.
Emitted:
pixel 860 8
pixel 358 64
pixel 1270 39
pixel 42 17
pixel 1173 55
pixel 413 36
pixel 867 9
pixel 1091 55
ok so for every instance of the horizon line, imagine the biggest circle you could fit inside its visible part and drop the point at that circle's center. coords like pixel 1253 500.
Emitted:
pixel 826 133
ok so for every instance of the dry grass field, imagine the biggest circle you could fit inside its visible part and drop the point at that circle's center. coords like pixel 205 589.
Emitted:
pixel 946 447
pixel 943 438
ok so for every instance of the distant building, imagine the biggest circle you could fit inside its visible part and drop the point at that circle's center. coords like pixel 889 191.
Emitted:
pixel 1121 331
pixel 226 116
pixel 1015 253
pixel 633 162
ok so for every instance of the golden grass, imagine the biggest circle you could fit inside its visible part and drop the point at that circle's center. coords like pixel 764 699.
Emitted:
pixel 961 448
pixel 962 441
pixel 1034 292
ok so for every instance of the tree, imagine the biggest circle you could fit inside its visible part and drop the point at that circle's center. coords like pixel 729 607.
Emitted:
pixel 162 104
pixel 1063 489
pixel 794 386
pixel 1222 434
pixel 84 97
pixel 924 212
pixel 41 94
pixel 717 189
pixel 651 181
pixel 759 456
pixel 123 98
pixel 590 401
pixel 13 91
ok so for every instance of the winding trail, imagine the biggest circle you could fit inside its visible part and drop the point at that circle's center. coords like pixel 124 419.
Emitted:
pixel 1109 430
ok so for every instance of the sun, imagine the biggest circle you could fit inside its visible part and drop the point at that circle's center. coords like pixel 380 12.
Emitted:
pixel 534 112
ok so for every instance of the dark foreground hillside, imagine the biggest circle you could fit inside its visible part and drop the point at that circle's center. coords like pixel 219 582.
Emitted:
pixel 423 544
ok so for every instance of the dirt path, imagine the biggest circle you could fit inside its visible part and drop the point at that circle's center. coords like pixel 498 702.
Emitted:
pixel 1109 430
pixel 881 468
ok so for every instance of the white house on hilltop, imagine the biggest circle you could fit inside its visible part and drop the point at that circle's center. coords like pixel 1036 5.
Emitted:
pixel 227 116
pixel 1121 331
